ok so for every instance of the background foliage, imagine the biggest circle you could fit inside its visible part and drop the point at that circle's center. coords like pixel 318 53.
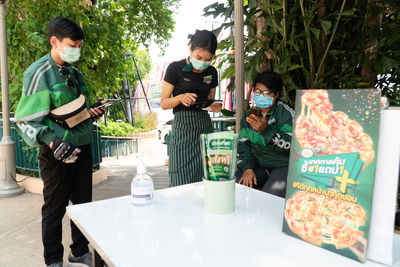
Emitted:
pixel 112 28
pixel 318 43
pixel 143 123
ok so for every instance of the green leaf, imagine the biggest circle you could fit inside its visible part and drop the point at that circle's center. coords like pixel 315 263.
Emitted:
pixel 228 73
pixel 315 31
pixel 326 26
pixel 349 12
pixel 388 63
pixel 252 3
pixel 293 67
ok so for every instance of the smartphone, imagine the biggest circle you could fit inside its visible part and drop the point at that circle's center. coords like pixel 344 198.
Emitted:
pixel 256 111
pixel 111 99
pixel 107 104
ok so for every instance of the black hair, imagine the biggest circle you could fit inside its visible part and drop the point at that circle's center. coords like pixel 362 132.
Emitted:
pixel 61 28
pixel 204 39
pixel 270 79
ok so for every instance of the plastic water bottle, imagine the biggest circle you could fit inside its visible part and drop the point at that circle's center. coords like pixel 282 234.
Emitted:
pixel 142 187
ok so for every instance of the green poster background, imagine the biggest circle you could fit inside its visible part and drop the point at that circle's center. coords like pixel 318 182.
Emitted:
pixel 363 106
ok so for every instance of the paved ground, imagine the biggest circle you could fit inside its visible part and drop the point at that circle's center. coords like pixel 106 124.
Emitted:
pixel 20 220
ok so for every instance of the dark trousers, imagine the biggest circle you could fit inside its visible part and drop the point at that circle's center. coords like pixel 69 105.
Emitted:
pixel 272 180
pixel 62 183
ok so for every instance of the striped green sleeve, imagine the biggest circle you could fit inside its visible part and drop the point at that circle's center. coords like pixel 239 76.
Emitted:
pixel 245 157
pixel 34 106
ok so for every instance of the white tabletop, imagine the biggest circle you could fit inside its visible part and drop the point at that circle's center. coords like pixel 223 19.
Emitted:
pixel 176 231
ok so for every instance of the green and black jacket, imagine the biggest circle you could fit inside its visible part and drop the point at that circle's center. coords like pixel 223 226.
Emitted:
pixel 44 89
pixel 269 148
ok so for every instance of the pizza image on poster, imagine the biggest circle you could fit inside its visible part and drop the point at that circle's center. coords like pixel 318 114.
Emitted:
pixel 332 169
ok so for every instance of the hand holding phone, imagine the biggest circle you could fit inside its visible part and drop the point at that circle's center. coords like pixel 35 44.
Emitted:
pixel 255 111
pixel 104 105
pixel 98 108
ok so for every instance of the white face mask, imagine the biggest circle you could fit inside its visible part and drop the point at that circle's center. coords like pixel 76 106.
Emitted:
pixel 70 55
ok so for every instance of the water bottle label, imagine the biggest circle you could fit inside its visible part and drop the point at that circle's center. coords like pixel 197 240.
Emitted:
pixel 141 196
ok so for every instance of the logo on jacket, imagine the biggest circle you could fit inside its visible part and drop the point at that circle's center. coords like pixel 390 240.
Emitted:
pixel 27 129
pixel 280 142
pixel 207 79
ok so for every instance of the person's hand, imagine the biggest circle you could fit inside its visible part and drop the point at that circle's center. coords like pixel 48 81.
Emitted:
pixel 64 151
pixel 248 178
pixel 187 99
pixel 258 124
pixel 216 107
pixel 96 112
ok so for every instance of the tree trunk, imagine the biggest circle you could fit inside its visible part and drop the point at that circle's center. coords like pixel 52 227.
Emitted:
pixel 322 37
pixel 373 22
pixel 320 14
pixel 260 23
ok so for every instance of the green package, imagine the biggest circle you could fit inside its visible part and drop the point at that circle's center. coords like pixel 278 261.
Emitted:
pixel 219 152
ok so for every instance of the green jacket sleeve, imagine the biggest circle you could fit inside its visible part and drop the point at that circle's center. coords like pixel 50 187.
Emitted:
pixel 279 132
pixel 246 159
pixel 32 110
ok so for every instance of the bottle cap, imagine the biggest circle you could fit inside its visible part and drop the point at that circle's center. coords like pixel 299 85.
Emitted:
pixel 141 168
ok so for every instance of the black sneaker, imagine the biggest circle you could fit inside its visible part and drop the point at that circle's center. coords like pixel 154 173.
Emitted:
pixel 83 261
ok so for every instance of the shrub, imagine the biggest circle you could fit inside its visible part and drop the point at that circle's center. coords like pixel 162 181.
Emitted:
pixel 143 123
pixel 114 128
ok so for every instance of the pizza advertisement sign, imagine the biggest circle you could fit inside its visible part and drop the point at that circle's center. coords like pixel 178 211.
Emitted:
pixel 332 169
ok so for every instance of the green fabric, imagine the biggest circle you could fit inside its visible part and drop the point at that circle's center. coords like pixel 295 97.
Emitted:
pixel 44 89
pixel 65 135
pixel 59 98
pixel 188 67
pixel 255 138
pixel 286 128
pixel 38 102
pixel 58 85
pixel 185 162
pixel 269 148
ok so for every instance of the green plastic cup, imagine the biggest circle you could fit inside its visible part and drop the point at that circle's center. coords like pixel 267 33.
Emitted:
pixel 219 196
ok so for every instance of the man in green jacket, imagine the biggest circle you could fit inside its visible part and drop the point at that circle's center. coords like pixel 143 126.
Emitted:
pixel 264 141
pixel 65 157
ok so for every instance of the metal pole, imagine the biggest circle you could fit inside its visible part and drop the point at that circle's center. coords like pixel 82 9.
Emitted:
pixel 127 97
pixel 239 62
pixel 140 79
pixel 126 92
pixel 117 148
pixel 8 187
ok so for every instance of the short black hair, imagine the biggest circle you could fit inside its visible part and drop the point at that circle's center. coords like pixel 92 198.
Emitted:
pixel 61 28
pixel 270 79
pixel 204 39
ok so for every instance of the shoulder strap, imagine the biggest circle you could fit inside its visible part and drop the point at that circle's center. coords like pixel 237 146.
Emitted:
pixel 78 87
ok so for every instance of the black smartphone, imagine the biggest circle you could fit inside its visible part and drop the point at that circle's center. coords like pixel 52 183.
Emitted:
pixel 256 111
pixel 107 104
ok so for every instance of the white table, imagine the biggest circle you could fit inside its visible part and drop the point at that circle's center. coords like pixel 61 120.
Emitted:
pixel 176 231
